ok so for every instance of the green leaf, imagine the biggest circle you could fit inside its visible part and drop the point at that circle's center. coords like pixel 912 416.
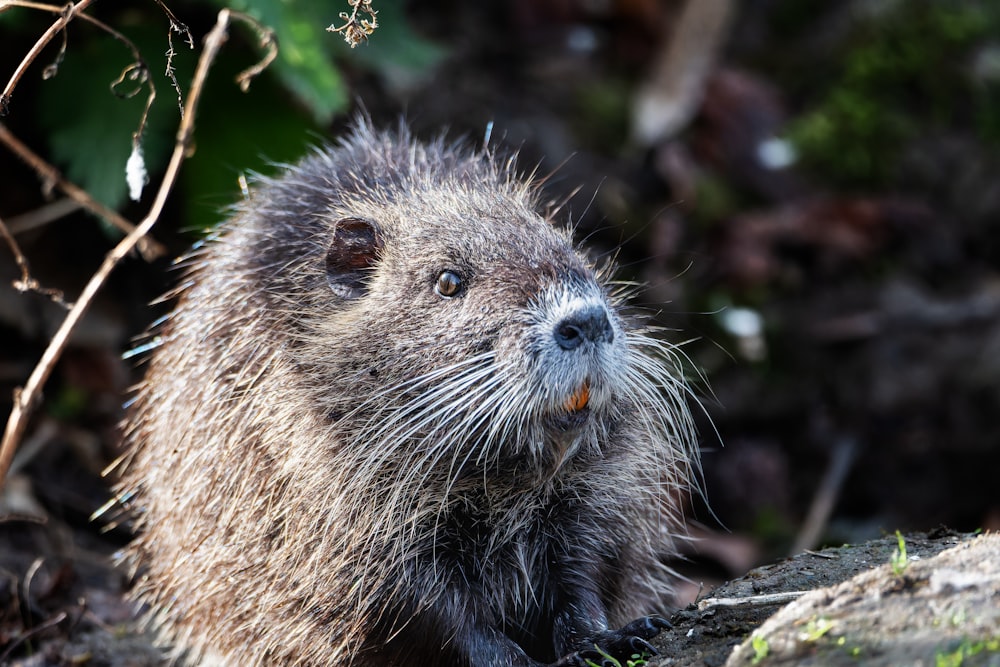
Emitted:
pixel 237 133
pixel 89 128
pixel 305 53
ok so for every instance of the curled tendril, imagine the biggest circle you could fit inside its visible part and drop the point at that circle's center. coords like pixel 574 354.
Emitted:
pixel 137 73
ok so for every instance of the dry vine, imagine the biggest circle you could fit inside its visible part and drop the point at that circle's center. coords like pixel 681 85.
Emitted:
pixel 26 397
pixel 356 30
pixel 51 177
pixel 26 283
pixel 181 29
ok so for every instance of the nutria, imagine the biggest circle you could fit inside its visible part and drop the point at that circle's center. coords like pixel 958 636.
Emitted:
pixel 397 418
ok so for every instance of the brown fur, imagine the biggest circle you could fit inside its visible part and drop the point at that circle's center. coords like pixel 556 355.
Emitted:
pixel 333 464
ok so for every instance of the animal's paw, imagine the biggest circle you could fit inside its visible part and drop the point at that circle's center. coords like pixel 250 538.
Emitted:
pixel 615 647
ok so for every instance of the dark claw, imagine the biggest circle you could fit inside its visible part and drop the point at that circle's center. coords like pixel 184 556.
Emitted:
pixel 646 627
pixel 640 646
pixel 660 622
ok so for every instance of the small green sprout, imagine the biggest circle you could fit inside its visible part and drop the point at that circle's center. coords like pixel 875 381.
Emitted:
pixel 899 560
pixel 965 650
pixel 853 651
pixel 816 628
pixel 636 660
pixel 760 648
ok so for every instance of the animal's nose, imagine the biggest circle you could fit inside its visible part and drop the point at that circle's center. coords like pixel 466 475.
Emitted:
pixel 590 323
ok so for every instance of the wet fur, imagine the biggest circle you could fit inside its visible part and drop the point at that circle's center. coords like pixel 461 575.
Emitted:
pixel 373 480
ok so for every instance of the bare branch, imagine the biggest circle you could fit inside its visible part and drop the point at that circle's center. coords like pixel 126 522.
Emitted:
pixel 841 459
pixel 66 15
pixel 26 282
pixel 38 629
pixel 25 399
pixel 268 42
pixel 53 68
pixel 181 29
pixel 42 215
pixel 763 600
pixel 52 178
pixel 137 71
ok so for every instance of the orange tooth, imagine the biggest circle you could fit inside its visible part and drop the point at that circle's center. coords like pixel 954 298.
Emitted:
pixel 578 401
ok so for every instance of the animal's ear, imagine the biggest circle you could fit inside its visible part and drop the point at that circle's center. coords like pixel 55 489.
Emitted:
pixel 353 251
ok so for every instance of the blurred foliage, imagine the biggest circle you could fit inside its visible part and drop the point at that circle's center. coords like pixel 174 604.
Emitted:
pixel 715 199
pixel 394 51
pixel 305 51
pixel 603 113
pixel 230 142
pixel 905 70
pixel 89 127
pixel 67 404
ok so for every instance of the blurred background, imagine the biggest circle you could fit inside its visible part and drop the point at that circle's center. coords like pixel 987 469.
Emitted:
pixel 807 189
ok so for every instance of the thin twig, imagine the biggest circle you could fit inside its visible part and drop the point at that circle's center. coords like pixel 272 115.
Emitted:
pixel 51 622
pixel 41 216
pixel 66 15
pixel 25 399
pixel 268 42
pixel 136 71
pixel 68 12
pixel 27 283
pixel 52 177
pixel 818 554
pixel 181 29
pixel 763 600
pixel 841 460
pixel 176 25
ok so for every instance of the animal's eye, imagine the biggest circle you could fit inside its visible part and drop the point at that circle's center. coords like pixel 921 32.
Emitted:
pixel 448 284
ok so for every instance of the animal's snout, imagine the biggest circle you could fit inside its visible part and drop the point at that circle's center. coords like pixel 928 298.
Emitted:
pixel 587 324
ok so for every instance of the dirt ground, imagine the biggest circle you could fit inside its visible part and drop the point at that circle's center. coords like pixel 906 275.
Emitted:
pixel 940 605
pixel 68 608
